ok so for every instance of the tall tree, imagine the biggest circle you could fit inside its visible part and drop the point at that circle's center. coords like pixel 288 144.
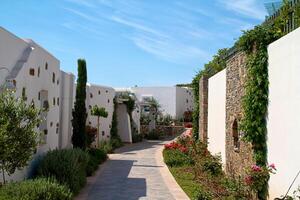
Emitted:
pixel 18 136
pixel 99 112
pixel 79 114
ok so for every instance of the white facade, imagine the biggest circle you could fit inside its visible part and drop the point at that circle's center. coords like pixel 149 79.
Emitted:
pixel 102 96
pixel 217 114
pixel 35 75
pixel 284 109
pixel 173 100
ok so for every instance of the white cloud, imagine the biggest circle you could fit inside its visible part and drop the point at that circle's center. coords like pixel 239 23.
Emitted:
pixel 83 15
pixel 249 8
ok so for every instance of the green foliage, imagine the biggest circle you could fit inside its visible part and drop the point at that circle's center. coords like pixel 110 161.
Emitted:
pixel 236 188
pixel 175 158
pixel 96 157
pixel 91 134
pixel 116 142
pixel 67 166
pixel 114 123
pixel 212 165
pixel 202 194
pixel 37 189
pixel 106 146
pixel 99 112
pixel 217 64
pixel 137 138
pixel 79 113
pixel 153 135
pixel 18 138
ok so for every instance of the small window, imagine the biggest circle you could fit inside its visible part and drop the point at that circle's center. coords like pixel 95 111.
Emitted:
pixel 57 124
pixel 45 132
pixel 91 95
pixel 57 81
pixel 99 92
pixel 46 66
pixel 31 71
pixel 39 71
pixel 53 77
pixel 24 94
pixel 39 96
pixel 58 101
pixel 46 105
pixel 51 124
pixel 103 133
pixel 54 101
pixel 90 123
pixel 106 91
pixel 235 135
pixel 90 107
pixel 108 101
pixel 56 130
pixel 187 101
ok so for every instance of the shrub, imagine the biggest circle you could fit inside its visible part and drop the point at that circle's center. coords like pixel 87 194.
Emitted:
pixel 212 165
pixel 153 135
pixel 202 194
pixel 175 158
pixel 137 138
pixel 106 146
pixel 68 166
pixel 96 157
pixel 36 189
pixel 116 142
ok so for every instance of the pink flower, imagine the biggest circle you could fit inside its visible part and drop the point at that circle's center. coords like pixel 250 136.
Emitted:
pixel 248 180
pixel 272 166
pixel 256 168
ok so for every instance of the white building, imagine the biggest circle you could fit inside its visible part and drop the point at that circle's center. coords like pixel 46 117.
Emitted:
pixel 102 96
pixel 35 75
pixel 173 100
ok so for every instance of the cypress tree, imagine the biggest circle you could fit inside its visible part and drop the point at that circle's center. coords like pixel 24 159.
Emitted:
pixel 79 114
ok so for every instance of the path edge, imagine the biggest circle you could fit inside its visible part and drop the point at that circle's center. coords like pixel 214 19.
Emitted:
pixel 175 189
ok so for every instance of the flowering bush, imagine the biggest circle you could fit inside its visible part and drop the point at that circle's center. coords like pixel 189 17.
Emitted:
pixel 174 145
pixel 257 176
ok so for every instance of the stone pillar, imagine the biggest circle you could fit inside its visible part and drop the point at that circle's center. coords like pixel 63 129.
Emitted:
pixel 203 108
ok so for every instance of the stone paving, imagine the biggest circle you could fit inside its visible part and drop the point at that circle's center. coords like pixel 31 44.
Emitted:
pixel 130 174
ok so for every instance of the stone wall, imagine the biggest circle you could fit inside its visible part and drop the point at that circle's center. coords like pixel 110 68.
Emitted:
pixel 203 108
pixel 167 130
pixel 238 153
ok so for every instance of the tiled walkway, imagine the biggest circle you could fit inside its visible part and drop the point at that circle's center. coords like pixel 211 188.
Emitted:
pixel 132 173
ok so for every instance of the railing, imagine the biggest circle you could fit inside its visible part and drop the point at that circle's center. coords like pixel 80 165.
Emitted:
pixel 291 23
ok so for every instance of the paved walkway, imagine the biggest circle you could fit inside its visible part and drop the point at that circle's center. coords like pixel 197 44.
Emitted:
pixel 135 172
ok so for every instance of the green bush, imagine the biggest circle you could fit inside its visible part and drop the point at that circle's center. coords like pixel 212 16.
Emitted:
pixel 175 158
pixel 67 166
pixel 212 164
pixel 106 146
pixel 96 157
pixel 116 142
pixel 137 138
pixel 202 194
pixel 37 189
pixel 153 135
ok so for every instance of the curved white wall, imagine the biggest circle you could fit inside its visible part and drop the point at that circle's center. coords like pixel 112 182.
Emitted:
pixel 284 112
pixel 217 114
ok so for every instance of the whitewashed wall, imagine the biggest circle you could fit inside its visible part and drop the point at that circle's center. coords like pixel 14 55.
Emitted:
pixel 124 126
pixel 184 101
pixel 102 96
pixel 217 114
pixel 284 112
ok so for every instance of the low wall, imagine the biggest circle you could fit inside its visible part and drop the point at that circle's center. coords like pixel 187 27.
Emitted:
pixel 167 130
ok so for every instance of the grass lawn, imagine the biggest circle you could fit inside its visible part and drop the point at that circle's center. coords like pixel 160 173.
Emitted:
pixel 185 178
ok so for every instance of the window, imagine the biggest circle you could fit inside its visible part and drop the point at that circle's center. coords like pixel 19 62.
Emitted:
pixel 46 66
pixel 45 132
pixel 187 101
pixel 24 94
pixel 108 101
pixel 46 105
pixel 99 92
pixel 39 71
pixel 31 71
pixel 90 107
pixel 90 123
pixel 56 130
pixel 57 81
pixel 106 91
pixel 39 96
pixel 51 124
pixel 54 101
pixel 53 77
pixel 103 133
pixel 235 135
pixel 91 95
pixel 57 124
pixel 58 101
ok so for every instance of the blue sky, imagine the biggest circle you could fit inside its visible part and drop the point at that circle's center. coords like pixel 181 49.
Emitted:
pixel 132 42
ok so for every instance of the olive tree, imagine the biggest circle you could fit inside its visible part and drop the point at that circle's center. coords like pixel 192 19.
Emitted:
pixel 18 136
pixel 99 112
